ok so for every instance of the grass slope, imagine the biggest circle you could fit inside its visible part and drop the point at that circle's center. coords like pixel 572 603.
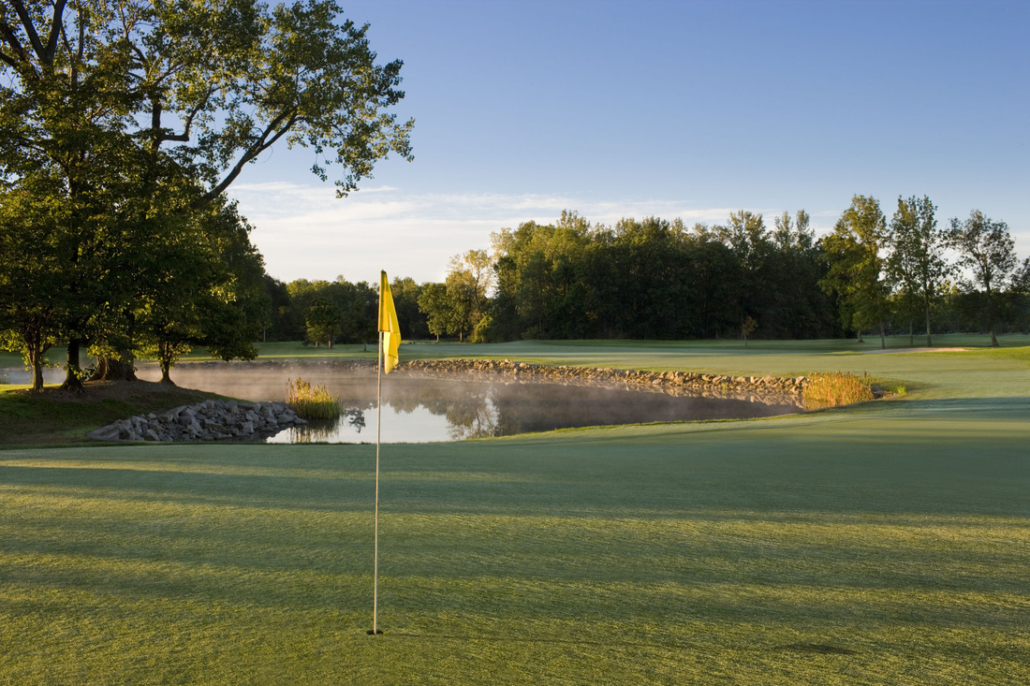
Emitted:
pixel 57 417
pixel 885 543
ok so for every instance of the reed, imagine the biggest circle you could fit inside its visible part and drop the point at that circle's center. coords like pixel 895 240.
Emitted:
pixel 832 390
pixel 312 402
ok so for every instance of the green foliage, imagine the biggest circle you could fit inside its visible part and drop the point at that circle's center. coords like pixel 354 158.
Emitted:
pixel 916 264
pixel 312 402
pixel 433 303
pixel 483 332
pixel 468 279
pixel 855 266
pixel 338 309
pixel 986 247
pixel 324 322
pixel 33 275
pixel 658 279
pixel 405 300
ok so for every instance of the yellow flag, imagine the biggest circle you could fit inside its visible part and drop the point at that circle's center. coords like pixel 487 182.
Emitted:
pixel 388 325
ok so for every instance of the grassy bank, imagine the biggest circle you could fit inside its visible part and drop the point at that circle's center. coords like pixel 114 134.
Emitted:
pixel 884 543
pixel 56 417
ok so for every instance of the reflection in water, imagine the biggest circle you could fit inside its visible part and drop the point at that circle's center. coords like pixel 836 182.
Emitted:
pixel 423 409
pixel 326 430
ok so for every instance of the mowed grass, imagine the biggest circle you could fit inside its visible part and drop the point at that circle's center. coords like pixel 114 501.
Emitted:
pixel 884 543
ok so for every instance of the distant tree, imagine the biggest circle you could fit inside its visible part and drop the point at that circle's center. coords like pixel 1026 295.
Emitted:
pixel 855 266
pixel 748 239
pixel 324 321
pixel 405 299
pixel 283 322
pixel 793 234
pixel 795 306
pixel 468 280
pixel 1020 288
pixel 433 302
pixel 985 247
pixel 916 262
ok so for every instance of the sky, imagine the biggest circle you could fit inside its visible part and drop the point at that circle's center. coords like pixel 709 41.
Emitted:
pixel 525 108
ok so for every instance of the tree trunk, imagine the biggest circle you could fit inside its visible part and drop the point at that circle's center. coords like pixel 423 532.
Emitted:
pixel 37 376
pixel 36 362
pixel 115 369
pixel 928 343
pixel 883 338
pixel 990 315
pixel 72 382
pixel 911 334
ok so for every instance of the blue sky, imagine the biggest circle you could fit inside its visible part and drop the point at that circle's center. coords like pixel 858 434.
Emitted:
pixel 688 109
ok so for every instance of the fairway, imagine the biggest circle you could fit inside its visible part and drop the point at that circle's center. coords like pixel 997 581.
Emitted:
pixel 885 543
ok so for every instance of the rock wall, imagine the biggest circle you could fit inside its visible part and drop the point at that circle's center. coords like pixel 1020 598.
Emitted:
pixel 754 388
pixel 211 420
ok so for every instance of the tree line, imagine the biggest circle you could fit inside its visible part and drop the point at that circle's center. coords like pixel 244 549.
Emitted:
pixel 660 279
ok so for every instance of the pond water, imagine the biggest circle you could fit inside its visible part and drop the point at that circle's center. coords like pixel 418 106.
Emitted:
pixel 417 410
pixel 23 377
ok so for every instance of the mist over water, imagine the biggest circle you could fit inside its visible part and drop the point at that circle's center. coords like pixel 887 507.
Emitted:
pixel 23 377
pixel 418 410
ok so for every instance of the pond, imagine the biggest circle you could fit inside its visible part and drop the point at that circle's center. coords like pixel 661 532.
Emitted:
pixel 417 410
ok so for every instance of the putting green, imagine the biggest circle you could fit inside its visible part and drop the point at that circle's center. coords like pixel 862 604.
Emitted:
pixel 885 543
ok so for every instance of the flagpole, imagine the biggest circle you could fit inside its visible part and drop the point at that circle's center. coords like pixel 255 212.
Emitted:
pixel 379 424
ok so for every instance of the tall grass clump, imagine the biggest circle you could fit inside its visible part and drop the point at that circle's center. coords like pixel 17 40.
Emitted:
pixel 312 402
pixel 831 390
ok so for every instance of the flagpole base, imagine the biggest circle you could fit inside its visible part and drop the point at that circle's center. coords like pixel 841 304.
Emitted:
pixel 373 632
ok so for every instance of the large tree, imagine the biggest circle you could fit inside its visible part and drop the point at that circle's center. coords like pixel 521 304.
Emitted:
pixel 987 249
pixel 856 266
pixel 117 98
pixel 469 277
pixel 31 273
pixel 916 262
pixel 748 239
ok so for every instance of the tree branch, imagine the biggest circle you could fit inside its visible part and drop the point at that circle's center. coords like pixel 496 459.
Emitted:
pixel 11 38
pixel 263 143
pixel 56 24
pixel 30 30
pixel 7 60
pixel 183 137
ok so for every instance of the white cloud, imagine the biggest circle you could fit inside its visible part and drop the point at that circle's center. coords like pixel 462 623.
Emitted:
pixel 306 232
